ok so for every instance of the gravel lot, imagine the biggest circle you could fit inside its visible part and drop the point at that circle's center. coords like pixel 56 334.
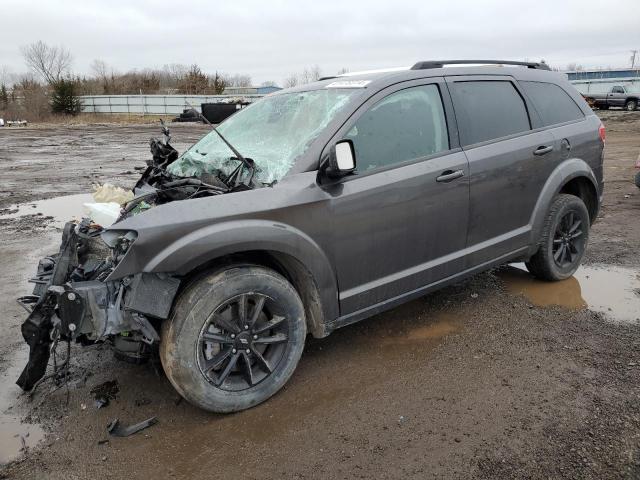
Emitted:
pixel 497 377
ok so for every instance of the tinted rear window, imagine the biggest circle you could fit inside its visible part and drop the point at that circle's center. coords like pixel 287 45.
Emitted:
pixel 488 109
pixel 552 103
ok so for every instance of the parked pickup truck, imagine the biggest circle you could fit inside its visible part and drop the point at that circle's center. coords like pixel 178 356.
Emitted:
pixel 618 96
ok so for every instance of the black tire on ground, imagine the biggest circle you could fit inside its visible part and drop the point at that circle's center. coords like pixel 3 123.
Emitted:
pixel 232 361
pixel 603 107
pixel 631 105
pixel 638 179
pixel 564 239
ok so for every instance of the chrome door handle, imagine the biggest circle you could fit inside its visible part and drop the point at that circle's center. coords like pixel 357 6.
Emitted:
pixel 449 175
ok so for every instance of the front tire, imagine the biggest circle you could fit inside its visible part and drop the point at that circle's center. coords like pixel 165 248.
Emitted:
pixel 631 105
pixel 638 179
pixel 564 239
pixel 234 339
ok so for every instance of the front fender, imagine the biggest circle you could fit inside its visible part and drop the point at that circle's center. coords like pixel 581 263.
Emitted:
pixel 563 173
pixel 213 241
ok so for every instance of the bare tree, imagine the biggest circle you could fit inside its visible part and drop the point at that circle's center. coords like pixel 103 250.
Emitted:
pixel 194 82
pixel 176 71
pixel 343 70
pixel 34 102
pixel 238 80
pixel 290 81
pixel 310 74
pixel 51 63
pixel 100 69
pixel 268 83
pixel 6 76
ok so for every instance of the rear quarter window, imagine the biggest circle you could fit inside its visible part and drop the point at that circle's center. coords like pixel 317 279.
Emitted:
pixel 552 103
pixel 488 109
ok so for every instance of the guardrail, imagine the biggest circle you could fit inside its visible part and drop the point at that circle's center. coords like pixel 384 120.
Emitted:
pixel 154 104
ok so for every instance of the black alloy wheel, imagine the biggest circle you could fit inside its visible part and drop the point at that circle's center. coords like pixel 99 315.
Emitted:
pixel 234 338
pixel 563 240
pixel 242 342
pixel 568 240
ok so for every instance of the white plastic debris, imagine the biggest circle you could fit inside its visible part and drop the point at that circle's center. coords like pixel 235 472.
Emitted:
pixel 104 214
pixel 1 122
pixel 108 193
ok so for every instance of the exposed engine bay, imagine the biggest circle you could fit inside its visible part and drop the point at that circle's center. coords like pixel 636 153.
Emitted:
pixel 158 186
pixel 74 298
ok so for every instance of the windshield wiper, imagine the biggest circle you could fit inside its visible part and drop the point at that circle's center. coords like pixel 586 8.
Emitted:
pixel 248 162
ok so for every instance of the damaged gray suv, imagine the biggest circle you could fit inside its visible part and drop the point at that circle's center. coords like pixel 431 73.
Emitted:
pixel 320 206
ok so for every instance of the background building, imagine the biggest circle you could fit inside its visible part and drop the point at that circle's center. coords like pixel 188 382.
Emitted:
pixel 601 81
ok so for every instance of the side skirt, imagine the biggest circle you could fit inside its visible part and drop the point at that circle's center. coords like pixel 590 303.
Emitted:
pixel 405 297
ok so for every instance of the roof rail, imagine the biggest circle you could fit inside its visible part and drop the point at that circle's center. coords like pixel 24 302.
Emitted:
pixel 441 63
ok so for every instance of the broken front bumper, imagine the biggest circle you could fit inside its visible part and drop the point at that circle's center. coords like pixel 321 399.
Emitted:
pixel 71 301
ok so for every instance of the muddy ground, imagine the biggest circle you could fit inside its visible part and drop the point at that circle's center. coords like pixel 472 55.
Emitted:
pixel 497 377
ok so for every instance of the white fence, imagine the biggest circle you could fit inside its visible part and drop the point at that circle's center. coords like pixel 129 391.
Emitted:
pixel 153 104
pixel 603 86
pixel 175 104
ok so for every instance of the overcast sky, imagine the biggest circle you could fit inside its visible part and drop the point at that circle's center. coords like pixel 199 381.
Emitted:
pixel 271 39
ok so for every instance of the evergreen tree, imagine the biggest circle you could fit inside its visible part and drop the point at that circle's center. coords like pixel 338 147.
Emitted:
pixel 64 97
pixel 218 84
pixel 4 96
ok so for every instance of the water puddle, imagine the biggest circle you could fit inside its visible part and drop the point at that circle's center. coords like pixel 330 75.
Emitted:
pixel 62 209
pixel 440 326
pixel 15 436
pixel 614 291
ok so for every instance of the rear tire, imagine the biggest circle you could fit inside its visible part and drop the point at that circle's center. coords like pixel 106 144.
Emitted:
pixel 604 107
pixel 564 239
pixel 631 105
pixel 234 339
pixel 638 179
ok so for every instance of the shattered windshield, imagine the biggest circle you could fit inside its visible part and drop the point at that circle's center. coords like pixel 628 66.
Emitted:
pixel 272 132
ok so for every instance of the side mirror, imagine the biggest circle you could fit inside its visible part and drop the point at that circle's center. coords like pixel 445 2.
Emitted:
pixel 342 159
pixel 345 156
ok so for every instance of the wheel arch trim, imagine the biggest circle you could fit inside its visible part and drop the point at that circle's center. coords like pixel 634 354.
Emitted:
pixel 236 237
pixel 568 170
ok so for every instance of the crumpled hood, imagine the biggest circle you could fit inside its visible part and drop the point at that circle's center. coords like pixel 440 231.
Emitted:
pixel 163 225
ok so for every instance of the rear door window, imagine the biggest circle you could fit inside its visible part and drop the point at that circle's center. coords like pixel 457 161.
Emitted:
pixel 406 125
pixel 552 103
pixel 488 109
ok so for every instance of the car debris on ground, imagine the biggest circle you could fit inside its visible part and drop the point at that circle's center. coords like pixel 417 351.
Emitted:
pixel 116 429
pixel 104 393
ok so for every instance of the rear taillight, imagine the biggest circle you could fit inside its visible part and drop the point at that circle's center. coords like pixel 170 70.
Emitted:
pixel 602 133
